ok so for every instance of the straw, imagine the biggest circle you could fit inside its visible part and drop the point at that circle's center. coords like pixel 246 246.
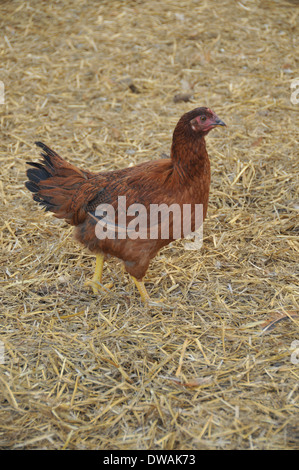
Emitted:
pixel 103 84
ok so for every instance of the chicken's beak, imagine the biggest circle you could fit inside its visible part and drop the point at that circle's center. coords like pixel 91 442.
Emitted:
pixel 218 122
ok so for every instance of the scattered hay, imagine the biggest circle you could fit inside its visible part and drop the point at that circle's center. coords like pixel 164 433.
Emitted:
pixel 97 81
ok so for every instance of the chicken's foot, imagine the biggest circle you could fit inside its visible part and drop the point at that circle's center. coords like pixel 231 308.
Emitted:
pixel 96 282
pixel 146 298
pixel 142 290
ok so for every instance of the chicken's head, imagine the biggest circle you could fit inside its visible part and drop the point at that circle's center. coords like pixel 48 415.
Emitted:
pixel 205 120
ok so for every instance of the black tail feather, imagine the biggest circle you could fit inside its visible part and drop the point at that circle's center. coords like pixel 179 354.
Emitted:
pixel 54 183
pixel 45 202
pixel 48 160
pixel 41 170
pixel 38 174
pixel 33 187
pixel 46 149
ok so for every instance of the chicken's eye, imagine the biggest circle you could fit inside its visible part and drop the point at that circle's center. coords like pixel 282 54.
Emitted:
pixel 203 118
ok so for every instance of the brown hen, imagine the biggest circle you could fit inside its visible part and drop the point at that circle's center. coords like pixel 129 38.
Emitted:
pixel 103 206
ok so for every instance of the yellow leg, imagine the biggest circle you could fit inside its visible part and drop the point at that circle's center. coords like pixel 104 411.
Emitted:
pixel 145 297
pixel 99 268
pixel 96 281
pixel 142 290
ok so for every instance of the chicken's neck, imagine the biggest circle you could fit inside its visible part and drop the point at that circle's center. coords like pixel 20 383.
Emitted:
pixel 189 157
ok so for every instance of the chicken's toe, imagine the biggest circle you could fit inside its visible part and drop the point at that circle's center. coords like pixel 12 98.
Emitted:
pixel 97 287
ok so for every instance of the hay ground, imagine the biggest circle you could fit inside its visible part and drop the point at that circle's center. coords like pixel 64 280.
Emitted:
pixel 97 81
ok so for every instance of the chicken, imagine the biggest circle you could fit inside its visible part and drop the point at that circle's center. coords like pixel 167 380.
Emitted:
pixel 103 206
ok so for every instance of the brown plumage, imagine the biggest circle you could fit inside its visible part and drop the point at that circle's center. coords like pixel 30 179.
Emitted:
pixel 74 195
